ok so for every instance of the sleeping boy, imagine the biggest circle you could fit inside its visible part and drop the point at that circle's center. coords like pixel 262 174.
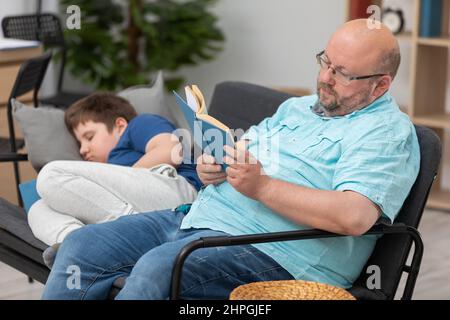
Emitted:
pixel 133 164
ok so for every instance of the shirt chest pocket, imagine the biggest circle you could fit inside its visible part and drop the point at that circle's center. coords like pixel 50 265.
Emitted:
pixel 324 147
pixel 299 139
pixel 286 127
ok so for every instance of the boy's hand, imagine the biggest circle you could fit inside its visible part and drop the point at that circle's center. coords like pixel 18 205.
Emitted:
pixel 208 171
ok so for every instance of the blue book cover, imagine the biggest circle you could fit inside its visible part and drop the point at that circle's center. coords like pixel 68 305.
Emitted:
pixel 188 113
pixel 213 141
pixel 431 18
pixel 208 133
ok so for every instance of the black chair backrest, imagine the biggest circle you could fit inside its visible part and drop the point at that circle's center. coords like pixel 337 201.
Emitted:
pixel 30 75
pixel 391 251
pixel 45 27
pixel 240 105
pixel 29 78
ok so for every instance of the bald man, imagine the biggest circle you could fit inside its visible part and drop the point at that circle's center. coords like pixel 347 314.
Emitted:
pixel 348 156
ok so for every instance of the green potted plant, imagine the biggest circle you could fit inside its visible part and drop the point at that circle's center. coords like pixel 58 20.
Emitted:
pixel 121 44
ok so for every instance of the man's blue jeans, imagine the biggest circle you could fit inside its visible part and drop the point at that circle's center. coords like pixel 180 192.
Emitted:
pixel 143 247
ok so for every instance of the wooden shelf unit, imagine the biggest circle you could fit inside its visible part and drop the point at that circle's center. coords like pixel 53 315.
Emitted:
pixel 428 86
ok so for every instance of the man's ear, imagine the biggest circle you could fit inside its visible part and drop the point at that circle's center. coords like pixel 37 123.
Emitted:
pixel 121 124
pixel 383 86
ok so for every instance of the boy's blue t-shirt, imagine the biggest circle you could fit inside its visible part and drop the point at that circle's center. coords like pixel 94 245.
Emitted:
pixel 132 143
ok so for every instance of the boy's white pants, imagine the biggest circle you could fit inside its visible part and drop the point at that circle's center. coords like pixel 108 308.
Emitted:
pixel 75 193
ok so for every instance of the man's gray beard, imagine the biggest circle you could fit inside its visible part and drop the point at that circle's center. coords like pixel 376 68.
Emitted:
pixel 329 108
pixel 336 107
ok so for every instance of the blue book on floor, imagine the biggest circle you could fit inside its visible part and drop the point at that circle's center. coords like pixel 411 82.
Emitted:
pixel 431 18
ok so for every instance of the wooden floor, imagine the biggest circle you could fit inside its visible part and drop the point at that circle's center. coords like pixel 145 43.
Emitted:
pixel 433 281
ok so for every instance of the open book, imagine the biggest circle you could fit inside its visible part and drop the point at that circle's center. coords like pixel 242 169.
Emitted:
pixel 209 134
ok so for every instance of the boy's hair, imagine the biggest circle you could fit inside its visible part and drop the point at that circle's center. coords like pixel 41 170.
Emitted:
pixel 101 107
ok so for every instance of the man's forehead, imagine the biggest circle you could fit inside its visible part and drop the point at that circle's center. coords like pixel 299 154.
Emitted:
pixel 340 59
pixel 349 58
pixel 353 48
pixel 332 58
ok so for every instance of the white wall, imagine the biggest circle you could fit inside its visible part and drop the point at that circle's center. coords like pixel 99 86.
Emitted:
pixel 16 7
pixel 269 42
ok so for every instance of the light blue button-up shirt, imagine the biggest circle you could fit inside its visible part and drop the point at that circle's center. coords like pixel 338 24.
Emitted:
pixel 373 151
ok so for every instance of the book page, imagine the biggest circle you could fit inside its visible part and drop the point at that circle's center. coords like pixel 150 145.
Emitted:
pixel 200 99
pixel 213 121
pixel 191 99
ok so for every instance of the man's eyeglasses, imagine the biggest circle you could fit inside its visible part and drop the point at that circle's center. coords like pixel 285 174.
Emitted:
pixel 338 75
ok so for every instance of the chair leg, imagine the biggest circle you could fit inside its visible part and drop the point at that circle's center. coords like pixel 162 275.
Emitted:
pixel 17 178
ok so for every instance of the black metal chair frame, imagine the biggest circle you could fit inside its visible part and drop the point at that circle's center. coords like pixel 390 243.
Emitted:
pixel 379 229
pixel 29 78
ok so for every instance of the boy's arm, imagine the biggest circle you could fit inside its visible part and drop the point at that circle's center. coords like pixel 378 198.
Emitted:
pixel 162 148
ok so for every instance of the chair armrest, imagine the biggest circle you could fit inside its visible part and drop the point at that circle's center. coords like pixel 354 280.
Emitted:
pixel 380 228
pixel 11 157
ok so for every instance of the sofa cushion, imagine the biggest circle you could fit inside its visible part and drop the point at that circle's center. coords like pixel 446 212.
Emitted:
pixel 46 135
pixel 149 98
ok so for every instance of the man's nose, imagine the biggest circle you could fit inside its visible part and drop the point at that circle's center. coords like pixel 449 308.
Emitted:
pixel 326 76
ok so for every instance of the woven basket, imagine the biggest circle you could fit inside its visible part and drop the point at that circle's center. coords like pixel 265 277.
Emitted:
pixel 289 290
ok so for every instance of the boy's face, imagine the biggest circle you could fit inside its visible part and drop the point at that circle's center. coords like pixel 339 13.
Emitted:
pixel 95 141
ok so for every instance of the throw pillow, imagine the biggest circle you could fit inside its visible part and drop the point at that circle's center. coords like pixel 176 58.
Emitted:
pixel 45 133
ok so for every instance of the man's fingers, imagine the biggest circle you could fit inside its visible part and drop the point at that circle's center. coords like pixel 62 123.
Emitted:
pixel 239 157
pixel 211 168
pixel 214 176
pixel 231 162
pixel 231 172
pixel 243 144
pixel 206 159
